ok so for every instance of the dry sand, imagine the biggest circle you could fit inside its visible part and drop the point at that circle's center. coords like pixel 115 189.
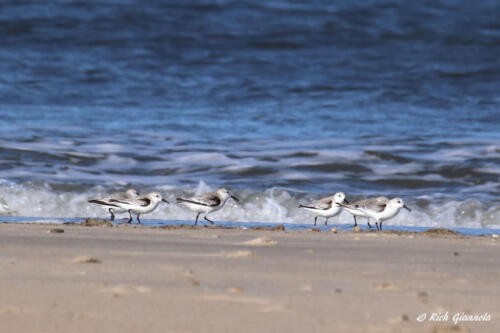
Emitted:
pixel 140 279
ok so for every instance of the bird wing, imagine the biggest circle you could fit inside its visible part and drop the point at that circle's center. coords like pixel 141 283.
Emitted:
pixel 103 203
pixel 376 204
pixel 352 206
pixel 135 202
pixel 380 208
pixel 375 208
pixel 322 204
pixel 207 199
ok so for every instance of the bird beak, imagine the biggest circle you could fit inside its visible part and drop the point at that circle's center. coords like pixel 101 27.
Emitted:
pixel 345 201
pixel 235 198
pixel 405 206
pixel 165 201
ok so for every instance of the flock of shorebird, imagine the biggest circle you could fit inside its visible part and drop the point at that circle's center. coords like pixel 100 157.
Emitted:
pixel 134 203
pixel 379 208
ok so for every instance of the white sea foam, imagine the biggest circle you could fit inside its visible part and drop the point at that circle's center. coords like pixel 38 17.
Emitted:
pixel 273 205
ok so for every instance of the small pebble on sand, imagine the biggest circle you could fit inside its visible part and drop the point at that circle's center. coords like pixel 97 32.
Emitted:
pixel 86 260
pixel 399 319
pixel 235 290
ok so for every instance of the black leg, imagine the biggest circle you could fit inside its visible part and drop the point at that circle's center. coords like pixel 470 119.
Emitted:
pixel 380 225
pixel 130 215
pixel 196 222
pixel 326 221
pixel 205 217
pixel 138 220
pixel 112 215
pixel 369 225
pixel 376 223
pixel 315 220
pixel 355 222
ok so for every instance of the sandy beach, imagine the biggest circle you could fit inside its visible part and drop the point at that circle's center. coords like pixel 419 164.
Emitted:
pixel 144 279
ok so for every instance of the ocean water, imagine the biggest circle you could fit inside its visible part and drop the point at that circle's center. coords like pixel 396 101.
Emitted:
pixel 281 101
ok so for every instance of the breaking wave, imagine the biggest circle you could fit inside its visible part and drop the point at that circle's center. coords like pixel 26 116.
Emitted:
pixel 274 205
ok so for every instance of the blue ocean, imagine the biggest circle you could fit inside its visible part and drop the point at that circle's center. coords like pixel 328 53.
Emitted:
pixel 282 101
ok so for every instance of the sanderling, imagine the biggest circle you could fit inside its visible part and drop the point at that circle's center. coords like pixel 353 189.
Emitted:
pixel 141 205
pixel 382 212
pixel 112 208
pixel 372 203
pixel 327 207
pixel 207 203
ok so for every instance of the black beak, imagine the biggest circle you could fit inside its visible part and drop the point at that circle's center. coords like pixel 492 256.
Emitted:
pixel 345 201
pixel 235 198
pixel 405 206
pixel 165 201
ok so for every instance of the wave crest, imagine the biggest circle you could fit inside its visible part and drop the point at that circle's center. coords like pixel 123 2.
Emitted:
pixel 273 205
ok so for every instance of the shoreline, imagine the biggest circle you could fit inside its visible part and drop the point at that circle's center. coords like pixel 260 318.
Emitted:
pixel 192 279
pixel 342 228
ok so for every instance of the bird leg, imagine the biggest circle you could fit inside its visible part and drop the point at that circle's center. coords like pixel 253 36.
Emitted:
pixel 130 214
pixel 369 225
pixel 112 215
pixel 138 220
pixel 196 222
pixel 205 217
pixel 315 220
pixel 355 222
pixel 326 221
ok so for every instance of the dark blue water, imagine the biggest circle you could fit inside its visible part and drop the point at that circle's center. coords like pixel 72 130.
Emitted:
pixel 305 97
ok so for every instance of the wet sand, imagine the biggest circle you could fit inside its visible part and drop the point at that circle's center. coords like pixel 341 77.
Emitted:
pixel 144 279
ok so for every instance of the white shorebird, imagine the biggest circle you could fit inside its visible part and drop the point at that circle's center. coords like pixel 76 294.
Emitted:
pixel 327 207
pixel 380 213
pixel 372 203
pixel 141 205
pixel 207 203
pixel 112 208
